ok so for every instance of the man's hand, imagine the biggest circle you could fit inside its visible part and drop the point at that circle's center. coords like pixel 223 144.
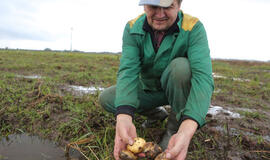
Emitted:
pixel 179 142
pixel 124 134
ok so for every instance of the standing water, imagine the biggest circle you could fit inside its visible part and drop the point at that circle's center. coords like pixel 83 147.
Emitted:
pixel 24 147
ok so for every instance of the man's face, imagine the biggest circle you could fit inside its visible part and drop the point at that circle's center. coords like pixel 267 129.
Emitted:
pixel 160 18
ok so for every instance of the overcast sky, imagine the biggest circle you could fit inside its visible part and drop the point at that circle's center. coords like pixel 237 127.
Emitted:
pixel 237 29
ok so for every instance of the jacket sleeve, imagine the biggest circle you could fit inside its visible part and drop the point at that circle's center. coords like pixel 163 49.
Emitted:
pixel 202 84
pixel 128 73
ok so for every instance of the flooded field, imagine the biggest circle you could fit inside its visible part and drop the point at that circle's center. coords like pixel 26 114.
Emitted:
pixel 25 147
pixel 55 95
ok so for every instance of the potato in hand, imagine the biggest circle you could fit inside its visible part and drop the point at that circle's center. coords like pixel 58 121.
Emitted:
pixel 137 146
pixel 150 149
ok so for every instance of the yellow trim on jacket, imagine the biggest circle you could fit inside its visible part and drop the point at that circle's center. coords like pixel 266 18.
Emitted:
pixel 187 24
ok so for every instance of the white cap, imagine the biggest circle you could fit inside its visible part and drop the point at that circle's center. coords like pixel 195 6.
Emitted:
pixel 161 3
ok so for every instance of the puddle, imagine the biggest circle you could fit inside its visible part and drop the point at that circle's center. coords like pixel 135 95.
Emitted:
pixel 217 90
pixel 221 113
pixel 77 90
pixel 30 77
pixel 235 132
pixel 234 79
pixel 267 138
pixel 24 147
pixel 218 76
pixel 250 110
pixel 216 112
pixel 244 109
pixel 241 80
pixel 266 71
pixel 81 90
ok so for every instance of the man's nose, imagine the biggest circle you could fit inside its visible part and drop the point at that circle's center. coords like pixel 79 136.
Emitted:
pixel 160 13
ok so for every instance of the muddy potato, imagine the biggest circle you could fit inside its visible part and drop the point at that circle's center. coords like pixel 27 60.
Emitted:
pixel 127 155
pixel 151 150
pixel 161 156
pixel 137 146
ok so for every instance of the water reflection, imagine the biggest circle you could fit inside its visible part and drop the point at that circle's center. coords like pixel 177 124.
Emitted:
pixel 24 147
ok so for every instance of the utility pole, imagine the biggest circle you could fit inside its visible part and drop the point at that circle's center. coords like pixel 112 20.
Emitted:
pixel 71 29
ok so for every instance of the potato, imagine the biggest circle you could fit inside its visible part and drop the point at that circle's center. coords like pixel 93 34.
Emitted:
pixel 161 156
pixel 151 150
pixel 137 146
pixel 127 155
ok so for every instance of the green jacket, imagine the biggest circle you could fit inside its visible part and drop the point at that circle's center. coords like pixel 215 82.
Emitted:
pixel 140 65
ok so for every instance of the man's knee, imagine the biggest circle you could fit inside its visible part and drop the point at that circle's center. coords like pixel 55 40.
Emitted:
pixel 106 99
pixel 178 71
pixel 102 99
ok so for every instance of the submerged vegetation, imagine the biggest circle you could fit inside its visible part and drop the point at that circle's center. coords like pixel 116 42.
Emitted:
pixel 34 99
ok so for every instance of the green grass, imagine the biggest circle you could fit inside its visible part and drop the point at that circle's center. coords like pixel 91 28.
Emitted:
pixel 43 107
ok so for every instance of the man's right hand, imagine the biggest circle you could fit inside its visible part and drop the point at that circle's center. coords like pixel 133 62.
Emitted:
pixel 124 134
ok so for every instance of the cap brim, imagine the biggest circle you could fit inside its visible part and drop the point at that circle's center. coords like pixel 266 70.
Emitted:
pixel 156 3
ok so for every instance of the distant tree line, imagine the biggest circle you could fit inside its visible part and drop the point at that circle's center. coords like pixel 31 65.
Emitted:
pixel 51 50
